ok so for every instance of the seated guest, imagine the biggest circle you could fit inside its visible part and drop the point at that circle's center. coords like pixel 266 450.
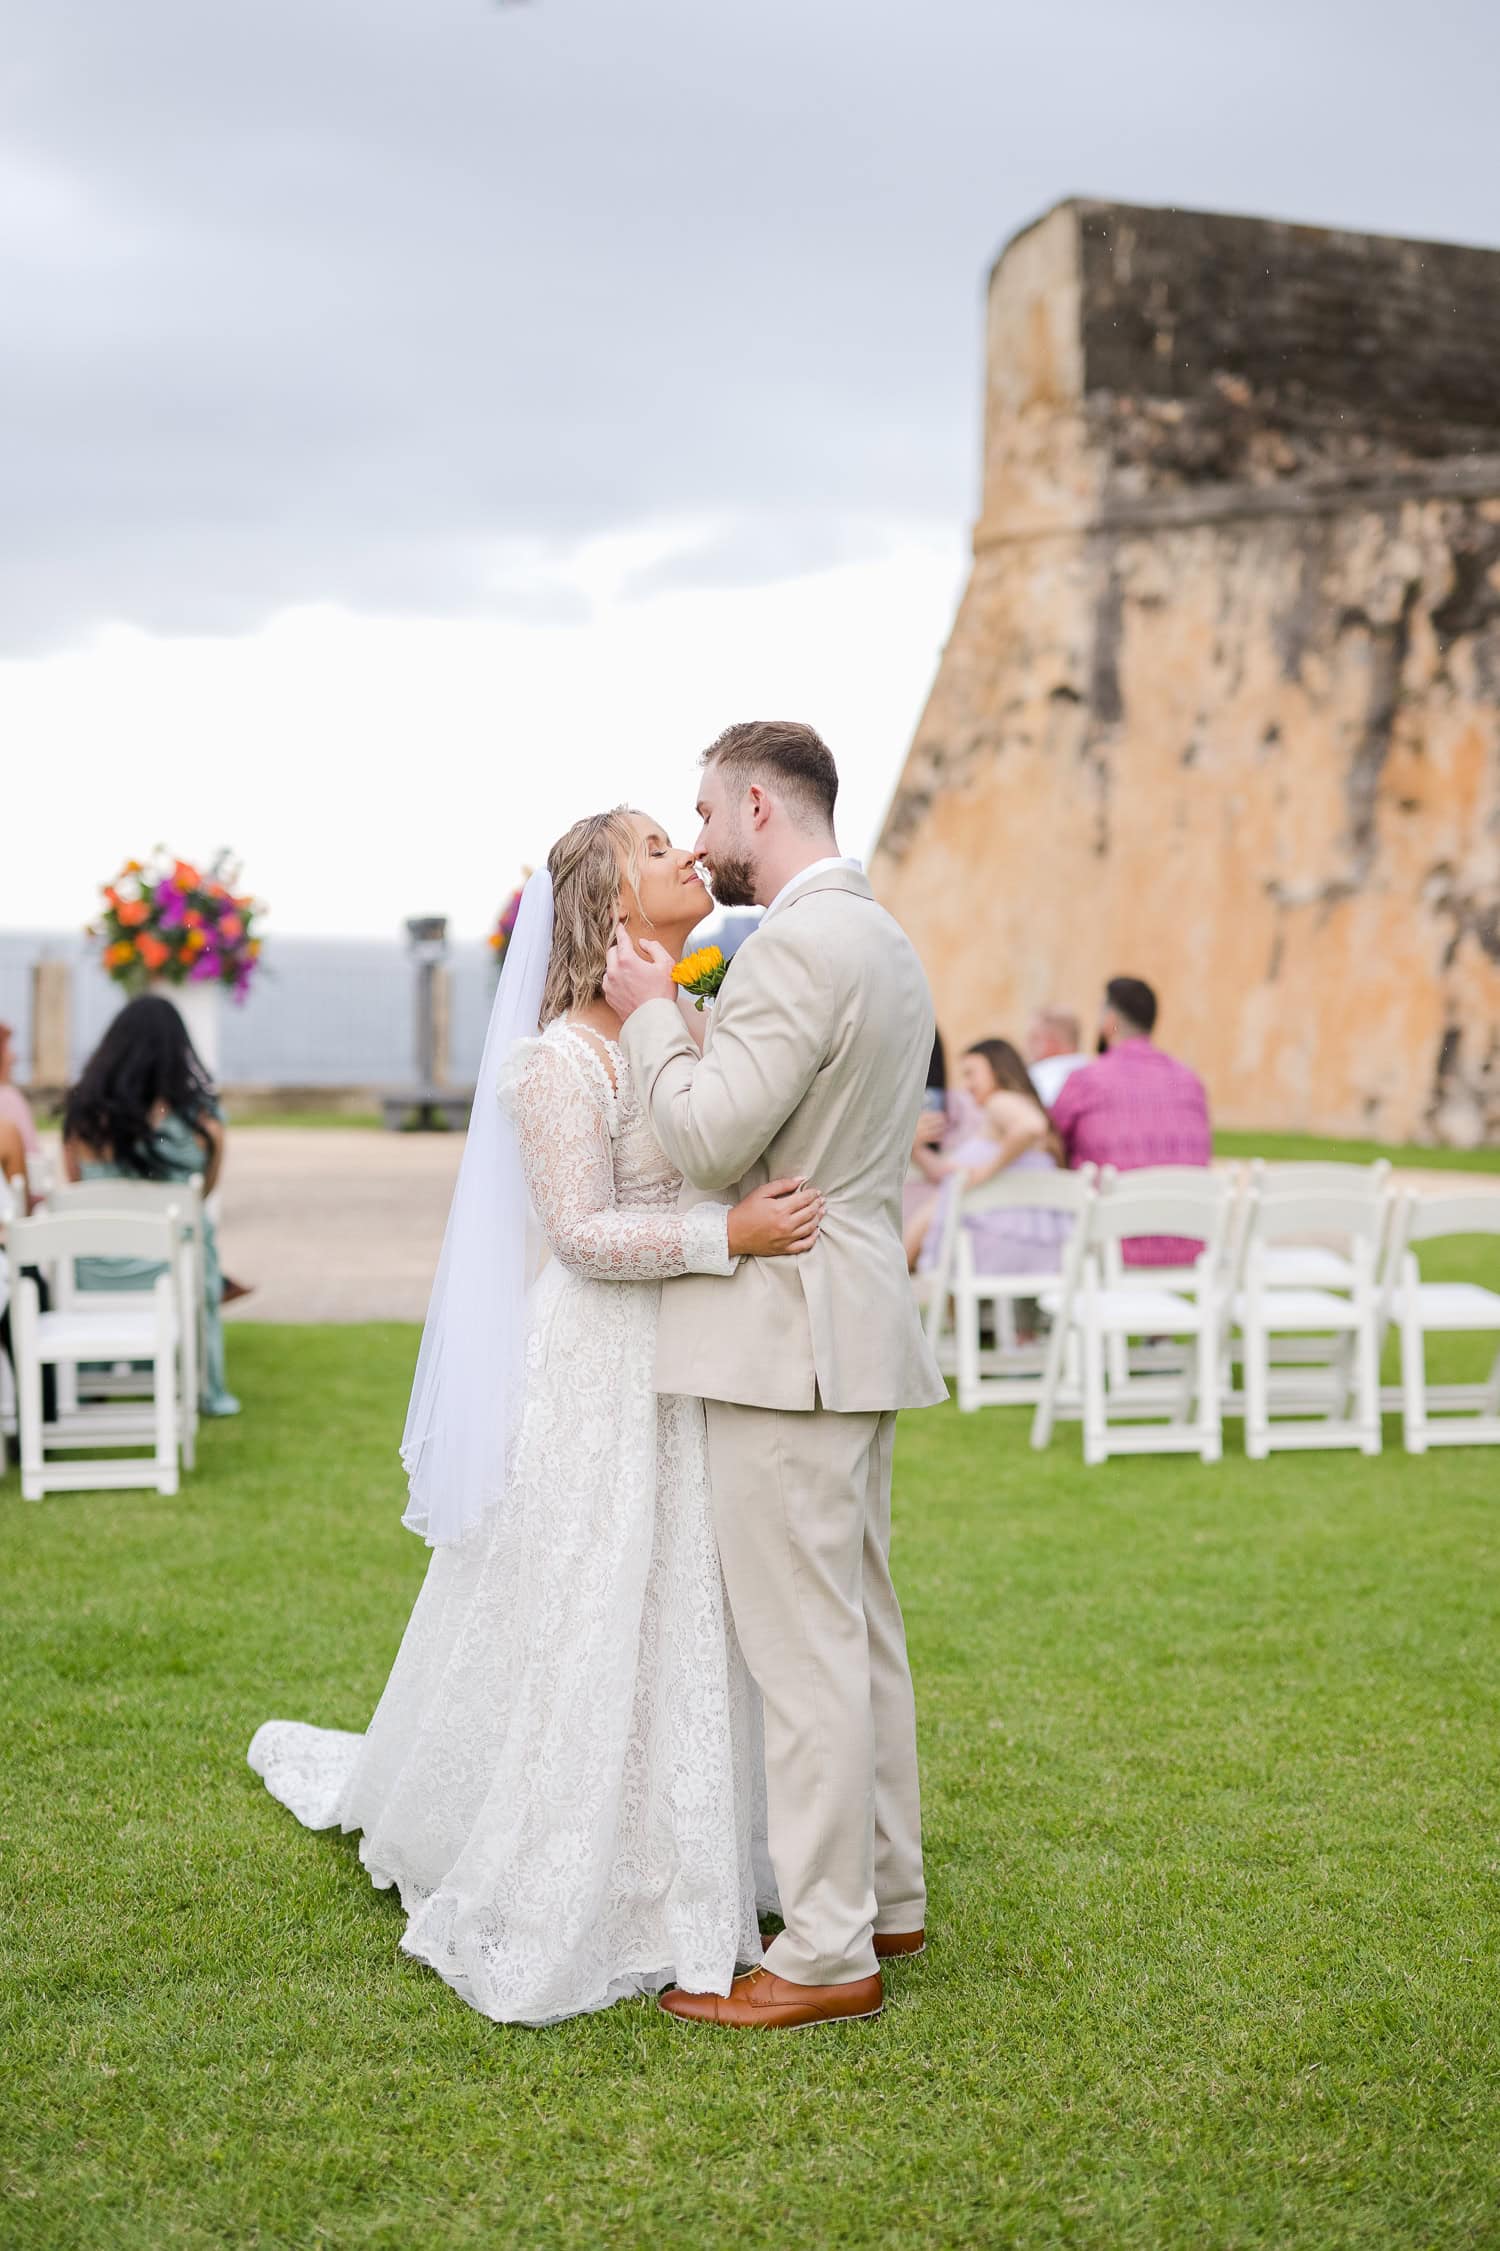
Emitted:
pixel 1053 1051
pixel 144 1109
pixel 13 1103
pixel 920 1191
pixel 13 1171
pixel 1135 1106
pixel 13 1157
pixel 1011 1131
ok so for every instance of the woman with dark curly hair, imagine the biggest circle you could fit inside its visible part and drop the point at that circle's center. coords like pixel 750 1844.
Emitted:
pixel 145 1109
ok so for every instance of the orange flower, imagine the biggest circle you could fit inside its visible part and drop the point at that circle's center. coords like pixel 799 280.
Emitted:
pixel 186 876
pixel 192 918
pixel 253 949
pixel 153 952
pixel 193 944
pixel 110 893
pixel 132 912
pixel 116 956
pixel 231 927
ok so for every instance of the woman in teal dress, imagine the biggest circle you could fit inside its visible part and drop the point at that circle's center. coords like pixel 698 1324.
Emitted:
pixel 145 1109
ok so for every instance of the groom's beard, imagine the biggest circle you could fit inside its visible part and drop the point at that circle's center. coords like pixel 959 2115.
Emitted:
pixel 733 881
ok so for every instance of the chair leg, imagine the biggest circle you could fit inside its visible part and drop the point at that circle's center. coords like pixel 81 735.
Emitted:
pixel 1257 1380
pixel 1413 1384
pixel 165 1379
pixel 966 1330
pixel 188 1402
pixel 1210 1425
pixel 1095 1434
pixel 1046 1406
pixel 1367 1383
pixel 28 1390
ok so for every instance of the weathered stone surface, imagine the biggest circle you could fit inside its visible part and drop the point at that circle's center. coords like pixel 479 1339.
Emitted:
pixel 1221 706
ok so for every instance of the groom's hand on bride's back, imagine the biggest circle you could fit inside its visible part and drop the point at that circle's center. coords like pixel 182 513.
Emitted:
pixel 632 978
pixel 777 1221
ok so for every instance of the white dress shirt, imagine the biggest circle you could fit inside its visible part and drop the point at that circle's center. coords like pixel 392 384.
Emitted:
pixel 1048 1075
pixel 805 875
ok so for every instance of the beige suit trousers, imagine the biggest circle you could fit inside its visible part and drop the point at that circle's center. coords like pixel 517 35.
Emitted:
pixel 802 1507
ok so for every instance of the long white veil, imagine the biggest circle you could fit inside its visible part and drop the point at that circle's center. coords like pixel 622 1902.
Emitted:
pixel 466 1394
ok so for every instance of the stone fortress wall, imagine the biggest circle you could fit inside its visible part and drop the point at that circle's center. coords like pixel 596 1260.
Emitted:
pixel 1221 704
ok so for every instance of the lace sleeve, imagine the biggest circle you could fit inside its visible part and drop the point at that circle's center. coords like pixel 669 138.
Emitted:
pixel 568 1161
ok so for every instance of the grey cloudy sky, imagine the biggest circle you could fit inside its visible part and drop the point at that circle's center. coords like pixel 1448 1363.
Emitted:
pixel 384 302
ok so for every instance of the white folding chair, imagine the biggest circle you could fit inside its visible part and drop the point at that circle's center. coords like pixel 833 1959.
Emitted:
pixel 1143 1370
pixel 185 1197
pixel 133 1326
pixel 1316 1266
pixel 1008 1373
pixel 1310 1406
pixel 1097 1310
pixel 1456 1414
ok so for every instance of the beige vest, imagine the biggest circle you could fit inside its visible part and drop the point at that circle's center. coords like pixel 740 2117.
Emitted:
pixel 815 1064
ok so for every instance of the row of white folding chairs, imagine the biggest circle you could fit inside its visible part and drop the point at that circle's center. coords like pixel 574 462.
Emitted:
pixel 131 1342
pixel 1270 1292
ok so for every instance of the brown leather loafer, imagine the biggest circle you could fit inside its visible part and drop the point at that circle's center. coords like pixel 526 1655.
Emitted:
pixel 890 1944
pixel 761 2000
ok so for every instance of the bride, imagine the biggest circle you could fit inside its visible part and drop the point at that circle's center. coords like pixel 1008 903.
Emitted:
pixel 561 1776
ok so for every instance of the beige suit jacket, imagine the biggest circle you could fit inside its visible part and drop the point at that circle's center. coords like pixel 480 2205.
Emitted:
pixel 814 1065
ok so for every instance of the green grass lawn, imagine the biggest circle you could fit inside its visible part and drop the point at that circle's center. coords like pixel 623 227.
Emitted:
pixel 1313 1148
pixel 1212 1770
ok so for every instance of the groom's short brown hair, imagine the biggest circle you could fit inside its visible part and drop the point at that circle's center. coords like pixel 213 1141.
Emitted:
pixel 785 753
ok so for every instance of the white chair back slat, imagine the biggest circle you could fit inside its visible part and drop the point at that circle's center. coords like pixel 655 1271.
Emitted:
pixel 128 1195
pixel 1280 1216
pixel 1431 1216
pixel 1196 1209
pixel 97 1234
pixel 1316 1177
pixel 1028 1191
pixel 1156 1180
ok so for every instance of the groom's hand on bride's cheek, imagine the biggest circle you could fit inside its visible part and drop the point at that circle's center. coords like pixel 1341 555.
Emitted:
pixel 632 977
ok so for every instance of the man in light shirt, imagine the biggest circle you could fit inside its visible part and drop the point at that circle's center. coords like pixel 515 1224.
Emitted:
pixel 1053 1052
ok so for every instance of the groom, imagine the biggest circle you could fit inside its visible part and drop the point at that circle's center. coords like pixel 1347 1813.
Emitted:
pixel 814 1066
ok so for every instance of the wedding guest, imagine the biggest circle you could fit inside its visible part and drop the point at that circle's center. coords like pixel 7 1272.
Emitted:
pixel 13 1155
pixel 13 1103
pixel 1012 1131
pixel 13 1170
pixel 1053 1051
pixel 1135 1106
pixel 932 1128
pixel 144 1109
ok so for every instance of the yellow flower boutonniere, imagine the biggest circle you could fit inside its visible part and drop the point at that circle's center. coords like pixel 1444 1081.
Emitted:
pixel 701 973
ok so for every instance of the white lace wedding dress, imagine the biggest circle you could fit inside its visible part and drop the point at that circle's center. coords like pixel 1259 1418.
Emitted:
pixel 562 1775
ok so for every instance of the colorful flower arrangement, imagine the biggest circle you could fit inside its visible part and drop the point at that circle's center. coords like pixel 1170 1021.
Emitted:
pixel 165 922
pixel 701 973
pixel 505 924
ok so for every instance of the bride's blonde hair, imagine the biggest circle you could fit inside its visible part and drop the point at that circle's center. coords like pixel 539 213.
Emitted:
pixel 588 866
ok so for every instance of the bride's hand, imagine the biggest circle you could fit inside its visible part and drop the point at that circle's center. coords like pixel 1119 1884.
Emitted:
pixel 777 1221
